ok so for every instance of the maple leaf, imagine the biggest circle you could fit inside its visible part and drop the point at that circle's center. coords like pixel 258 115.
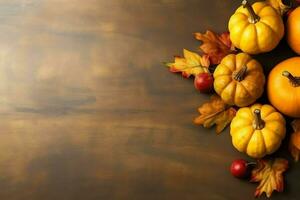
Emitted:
pixel 191 64
pixel 215 112
pixel 294 144
pixel 269 175
pixel 215 46
pixel 279 6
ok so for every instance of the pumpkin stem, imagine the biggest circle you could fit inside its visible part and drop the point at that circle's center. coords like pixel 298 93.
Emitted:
pixel 295 81
pixel 258 123
pixel 253 16
pixel 240 75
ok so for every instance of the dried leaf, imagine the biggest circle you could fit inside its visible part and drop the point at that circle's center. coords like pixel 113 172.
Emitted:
pixel 215 46
pixel 191 64
pixel 294 144
pixel 215 112
pixel 269 175
pixel 279 6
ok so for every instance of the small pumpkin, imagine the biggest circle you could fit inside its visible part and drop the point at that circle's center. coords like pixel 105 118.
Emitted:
pixel 283 87
pixel 256 29
pixel 293 30
pixel 239 79
pixel 257 130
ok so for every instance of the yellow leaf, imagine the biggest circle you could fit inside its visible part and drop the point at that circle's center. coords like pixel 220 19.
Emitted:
pixel 191 64
pixel 269 175
pixel 294 144
pixel 224 119
pixel 215 112
pixel 279 6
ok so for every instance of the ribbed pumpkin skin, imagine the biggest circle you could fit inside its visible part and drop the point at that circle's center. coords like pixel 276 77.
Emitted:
pixel 281 93
pixel 239 93
pixel 257 143
pixel 293 30
pixel 260 37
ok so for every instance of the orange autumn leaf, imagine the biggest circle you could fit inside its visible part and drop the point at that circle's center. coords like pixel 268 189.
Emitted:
pixel 269 175
pixel 215 46
pixel 215 112
pixel 294 144
pixel 190 64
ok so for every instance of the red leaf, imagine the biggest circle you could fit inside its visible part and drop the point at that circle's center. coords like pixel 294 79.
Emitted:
pixel 215 46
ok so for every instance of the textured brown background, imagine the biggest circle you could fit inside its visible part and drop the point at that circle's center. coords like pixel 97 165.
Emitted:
pixel 87 110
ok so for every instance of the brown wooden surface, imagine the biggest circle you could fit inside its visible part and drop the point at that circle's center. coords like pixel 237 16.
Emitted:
pixel 87 110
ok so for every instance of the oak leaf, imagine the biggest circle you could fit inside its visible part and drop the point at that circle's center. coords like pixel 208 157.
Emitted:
pixel 269 175
pixel 215 112
pixel 279 6
pixel 190 64
pixel 215 46
pixel 294 143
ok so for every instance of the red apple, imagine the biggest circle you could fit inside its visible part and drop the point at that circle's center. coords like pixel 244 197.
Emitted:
pixel 239 168
pixel 204 82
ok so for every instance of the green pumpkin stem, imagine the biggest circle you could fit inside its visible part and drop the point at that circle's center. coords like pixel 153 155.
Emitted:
pixel 295 81
pixel 240 75
pixel 253 16
pixel 258 122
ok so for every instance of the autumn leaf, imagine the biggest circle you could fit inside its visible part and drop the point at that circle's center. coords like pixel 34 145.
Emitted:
pixel 215 46
pixel 269 175
pixel 215 112
pixel 191 64
pixel 294 144
pixel 279 6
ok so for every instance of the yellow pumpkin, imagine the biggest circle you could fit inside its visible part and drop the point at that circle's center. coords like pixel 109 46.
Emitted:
pixel 256 29
pixel 239 80
pixel 257 130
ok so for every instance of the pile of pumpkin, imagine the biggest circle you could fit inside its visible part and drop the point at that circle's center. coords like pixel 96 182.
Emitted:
pixel 239 80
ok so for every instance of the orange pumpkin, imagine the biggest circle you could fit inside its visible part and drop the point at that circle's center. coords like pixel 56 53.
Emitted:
pixel 293 30
pixel 284 87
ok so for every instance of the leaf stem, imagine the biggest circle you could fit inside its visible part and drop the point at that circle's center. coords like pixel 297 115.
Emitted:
pixel 251 163
pixel 196 66
pixel 214 114
pixel 226 107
